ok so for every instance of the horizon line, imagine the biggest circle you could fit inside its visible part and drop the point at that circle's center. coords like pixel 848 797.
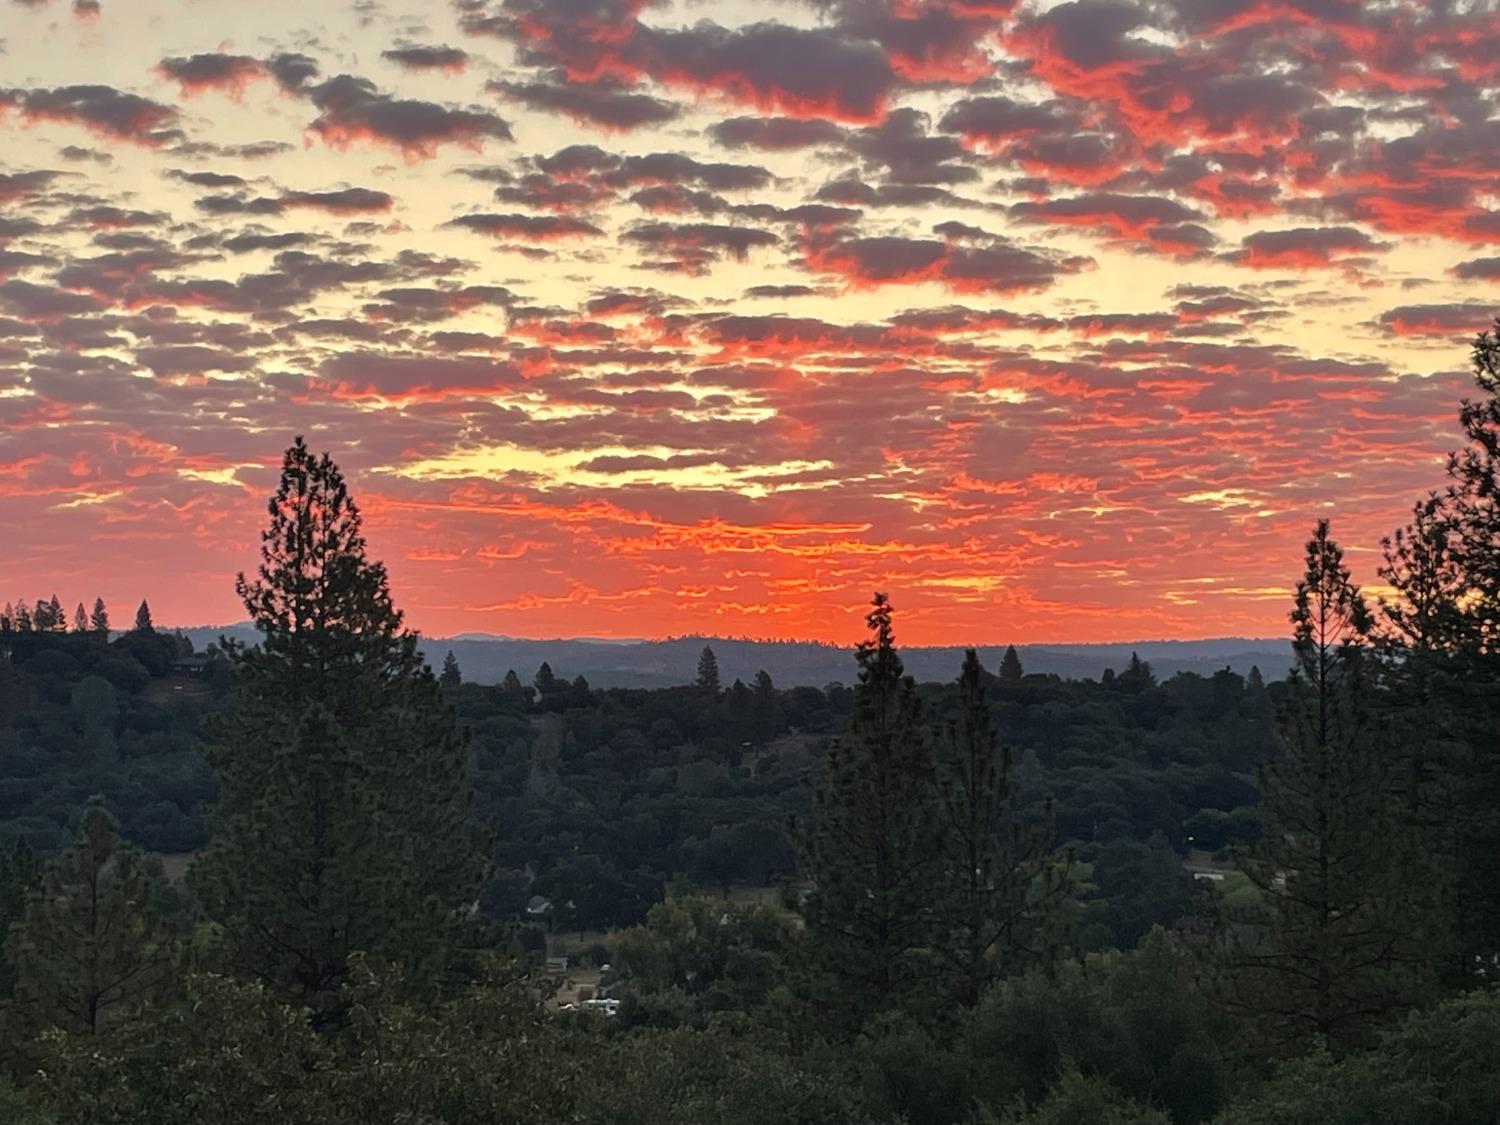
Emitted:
pixel 501 638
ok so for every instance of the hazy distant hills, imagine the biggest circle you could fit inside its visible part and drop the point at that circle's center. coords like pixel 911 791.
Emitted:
pixel 611 663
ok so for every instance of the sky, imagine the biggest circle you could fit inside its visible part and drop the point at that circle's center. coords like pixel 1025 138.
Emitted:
pixel 1058 322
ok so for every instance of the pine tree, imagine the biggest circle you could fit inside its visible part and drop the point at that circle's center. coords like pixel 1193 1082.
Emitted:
pixel 1010 666
pixel 92 943
pixel 1445 630
pixel 546 682
pixel 1341 940
pixel 869 850
pixel 80 620
pixel 56 616
pixel 343 817
pixel 7 619
pixel 511 686
pixel 143 618
pixel 99 619
pixel 765 707
pixel 41 616
pixel 708 672
pixel 451 678
pixel 1255 681
pixel 1000 911
pixel 1137 675
pixel 23 618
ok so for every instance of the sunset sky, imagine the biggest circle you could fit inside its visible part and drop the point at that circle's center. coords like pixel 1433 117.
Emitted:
pixel 1056 321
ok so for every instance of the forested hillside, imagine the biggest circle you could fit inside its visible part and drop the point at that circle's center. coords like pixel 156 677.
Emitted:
pixel 603 797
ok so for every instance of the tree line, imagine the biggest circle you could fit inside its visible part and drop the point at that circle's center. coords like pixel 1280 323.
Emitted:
pixel 46 615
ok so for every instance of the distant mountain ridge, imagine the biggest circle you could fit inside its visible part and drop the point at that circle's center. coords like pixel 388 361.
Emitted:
pixel 485 659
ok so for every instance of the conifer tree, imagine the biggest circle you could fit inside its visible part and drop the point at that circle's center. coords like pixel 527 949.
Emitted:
pixel 708 672
pixel 99 619
pixel 451 678
pixel 765 706
pixel 57 618
pixel 143 618
pixel 7 619
pixel 1002 891
pixel 80 620
pixel 511 686
pixel 546 682
pixel 869 850
pixel 1341 941
pixel 91 944
pixel 343 817
pixel 1445 628
pixel 1137 675
pixel 23 618
pixel 1010 666
pixel 41 617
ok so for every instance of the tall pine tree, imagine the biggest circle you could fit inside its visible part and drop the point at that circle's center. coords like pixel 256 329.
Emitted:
pixel 451 678
pixel 1445 567
pixel 1339 939
pixel 1000 912
pixel 870 850
pixel 708 671
pixel 1010 666
pixel 99 618
pixel 343 818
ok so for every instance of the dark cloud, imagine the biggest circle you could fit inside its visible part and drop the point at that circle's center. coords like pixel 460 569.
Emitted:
pixel 192 359
pixel 208 179
pixel 352 110
pixel 451 59
pixel 251 241
pixel 993 119
pixel 774 134
pixel 544 227
pixel 346 201
pixel 1121 213
pixel 79 154
pixel 1447 321
pixel 1302 247
pixel 995 265
pixel 1478 269
pixel 850 190
pixel 44 302
pixel 796 72
pixel 903 149
pixel 239 205
pixel 693 247
pixel 102 109
pixel 195 74
pixel 673 168
pixel 610 104
pixel 23 185
pixel 292 71
pixel 780 291
pixel 578 160
pixel 106 216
